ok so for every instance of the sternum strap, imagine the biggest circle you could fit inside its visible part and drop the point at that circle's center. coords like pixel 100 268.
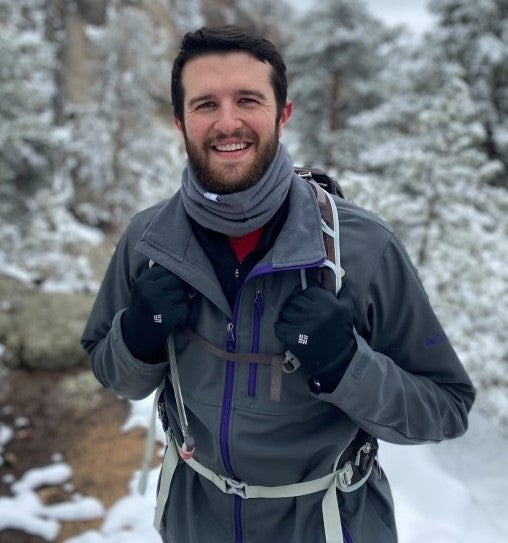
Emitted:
pixel 273 360
pixel 339 479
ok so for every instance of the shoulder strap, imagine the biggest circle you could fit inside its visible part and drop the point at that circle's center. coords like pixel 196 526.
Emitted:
pixel 328 183
pixel 330 275
pixel 364 446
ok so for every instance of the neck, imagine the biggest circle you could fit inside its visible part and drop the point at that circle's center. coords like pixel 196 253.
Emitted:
pixel 239 213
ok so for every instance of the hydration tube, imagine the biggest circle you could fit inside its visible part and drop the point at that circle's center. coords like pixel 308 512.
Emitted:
pixel 188 446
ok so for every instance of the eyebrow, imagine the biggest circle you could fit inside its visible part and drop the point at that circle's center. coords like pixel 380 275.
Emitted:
pixel 242 92
pixel 251 92
pixel 202 98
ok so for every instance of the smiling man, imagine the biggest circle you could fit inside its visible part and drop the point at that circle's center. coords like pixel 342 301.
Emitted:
pixel 230 120
pixel 210 293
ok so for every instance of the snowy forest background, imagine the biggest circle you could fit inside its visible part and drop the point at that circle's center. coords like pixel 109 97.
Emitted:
pixel 414 129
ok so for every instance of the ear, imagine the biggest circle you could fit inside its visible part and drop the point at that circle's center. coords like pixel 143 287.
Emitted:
pixel 179 125
pixel 284 118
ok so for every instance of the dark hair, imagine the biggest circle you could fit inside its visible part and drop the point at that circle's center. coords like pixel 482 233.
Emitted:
pixel 224 39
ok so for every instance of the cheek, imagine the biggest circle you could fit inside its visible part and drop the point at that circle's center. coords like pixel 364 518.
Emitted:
pixel 196 130
pixel 265 125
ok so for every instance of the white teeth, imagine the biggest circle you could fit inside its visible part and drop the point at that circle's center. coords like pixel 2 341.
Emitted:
pixel 231 147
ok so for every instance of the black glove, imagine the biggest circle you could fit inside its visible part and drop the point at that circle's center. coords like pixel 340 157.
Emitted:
pixel 158 303
pixel 317 327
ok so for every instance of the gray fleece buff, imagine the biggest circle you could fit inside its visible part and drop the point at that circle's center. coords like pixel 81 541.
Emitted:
pixel 242 212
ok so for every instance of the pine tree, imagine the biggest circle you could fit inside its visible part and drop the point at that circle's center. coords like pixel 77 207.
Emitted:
pixel 475 35
pixel 36 228
pixel 125 152
pixel 27 143
pixel 426 173
pixel 332 63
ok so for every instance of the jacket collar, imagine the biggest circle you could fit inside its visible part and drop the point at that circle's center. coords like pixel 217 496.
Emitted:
pixel 169 241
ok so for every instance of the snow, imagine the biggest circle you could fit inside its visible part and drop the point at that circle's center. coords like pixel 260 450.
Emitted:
pixel 413 14
pixel 451 491
pixel 6 434
pixel 25 511
pixel 51 475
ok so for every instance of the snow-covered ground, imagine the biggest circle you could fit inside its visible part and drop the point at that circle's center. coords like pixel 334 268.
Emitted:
pixel 447 493
pixel 454 491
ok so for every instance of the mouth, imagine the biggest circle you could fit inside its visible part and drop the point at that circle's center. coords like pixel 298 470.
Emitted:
pixel 231 147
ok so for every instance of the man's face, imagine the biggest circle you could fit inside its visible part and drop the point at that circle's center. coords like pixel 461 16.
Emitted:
pixel 230 121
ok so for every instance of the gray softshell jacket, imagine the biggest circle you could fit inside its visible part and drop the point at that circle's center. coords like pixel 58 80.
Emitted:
pixel 404 385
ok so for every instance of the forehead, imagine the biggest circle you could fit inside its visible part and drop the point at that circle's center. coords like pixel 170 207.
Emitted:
pixel 222 72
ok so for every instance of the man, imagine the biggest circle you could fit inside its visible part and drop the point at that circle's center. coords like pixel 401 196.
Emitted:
pixel 218 269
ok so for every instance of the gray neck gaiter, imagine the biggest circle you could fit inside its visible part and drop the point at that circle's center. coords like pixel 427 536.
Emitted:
pixel 242 212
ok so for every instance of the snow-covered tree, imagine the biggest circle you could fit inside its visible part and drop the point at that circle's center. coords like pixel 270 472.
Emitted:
pixel 332 61
pixel 27 143
pixel 125 152
pixel 426 173
pixel 39 238
pixel 475 35
pixel 186 14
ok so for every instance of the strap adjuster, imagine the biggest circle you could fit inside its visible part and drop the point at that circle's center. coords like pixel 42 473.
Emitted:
pixel 290 363
pixel 234 487
pixel 345 475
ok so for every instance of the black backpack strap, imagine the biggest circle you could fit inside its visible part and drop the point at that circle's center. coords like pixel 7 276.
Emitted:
pixel 329 276
pixel 328 183
pixel 362 451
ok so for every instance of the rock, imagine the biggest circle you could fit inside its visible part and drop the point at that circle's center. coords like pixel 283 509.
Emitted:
pixel 42 330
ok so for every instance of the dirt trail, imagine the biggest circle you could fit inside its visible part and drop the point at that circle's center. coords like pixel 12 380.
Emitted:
pixel 68 414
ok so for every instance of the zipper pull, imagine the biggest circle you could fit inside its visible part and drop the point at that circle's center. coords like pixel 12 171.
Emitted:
pixel 365 450
pixel 230 334
pixel 259 303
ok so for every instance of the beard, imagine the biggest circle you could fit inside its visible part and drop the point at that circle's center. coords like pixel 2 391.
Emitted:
pixel 214 180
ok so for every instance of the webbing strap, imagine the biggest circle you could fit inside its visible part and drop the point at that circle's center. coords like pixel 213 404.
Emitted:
pixel 340 479
pixel 274 360
pixel 248 358
pixel 168 469
pixel 332 273
pixel 149 442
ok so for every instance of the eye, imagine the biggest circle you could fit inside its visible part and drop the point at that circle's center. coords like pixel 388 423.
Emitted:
pixel 206 105
pixel 248 100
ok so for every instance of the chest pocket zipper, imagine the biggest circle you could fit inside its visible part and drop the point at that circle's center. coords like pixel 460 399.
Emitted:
pixel 259 308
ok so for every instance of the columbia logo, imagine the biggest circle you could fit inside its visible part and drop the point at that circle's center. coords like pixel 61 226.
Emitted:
pixel 436 339
pixel 302 338
pixel 157 318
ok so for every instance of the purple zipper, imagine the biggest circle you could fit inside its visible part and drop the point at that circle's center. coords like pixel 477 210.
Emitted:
pixel 346 534
pixel 259 307
pixel 227 399
pixel 267 268
pixel 238 520
pixel 224 424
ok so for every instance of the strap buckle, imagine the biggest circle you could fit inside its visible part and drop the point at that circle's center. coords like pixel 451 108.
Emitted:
pixel 304 173
pixel 290 363
pixel 345 475
pixel 234 487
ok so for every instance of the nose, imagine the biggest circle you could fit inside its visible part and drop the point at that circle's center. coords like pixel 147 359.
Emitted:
pixel 228 119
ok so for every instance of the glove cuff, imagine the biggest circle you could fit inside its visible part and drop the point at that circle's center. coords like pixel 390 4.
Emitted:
pixel 328 378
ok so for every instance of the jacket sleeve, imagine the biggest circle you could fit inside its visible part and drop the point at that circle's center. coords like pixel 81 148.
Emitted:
pixel 405 383
pixel 112 364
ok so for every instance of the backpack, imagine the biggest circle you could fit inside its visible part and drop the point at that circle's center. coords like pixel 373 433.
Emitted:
pixel 326 182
